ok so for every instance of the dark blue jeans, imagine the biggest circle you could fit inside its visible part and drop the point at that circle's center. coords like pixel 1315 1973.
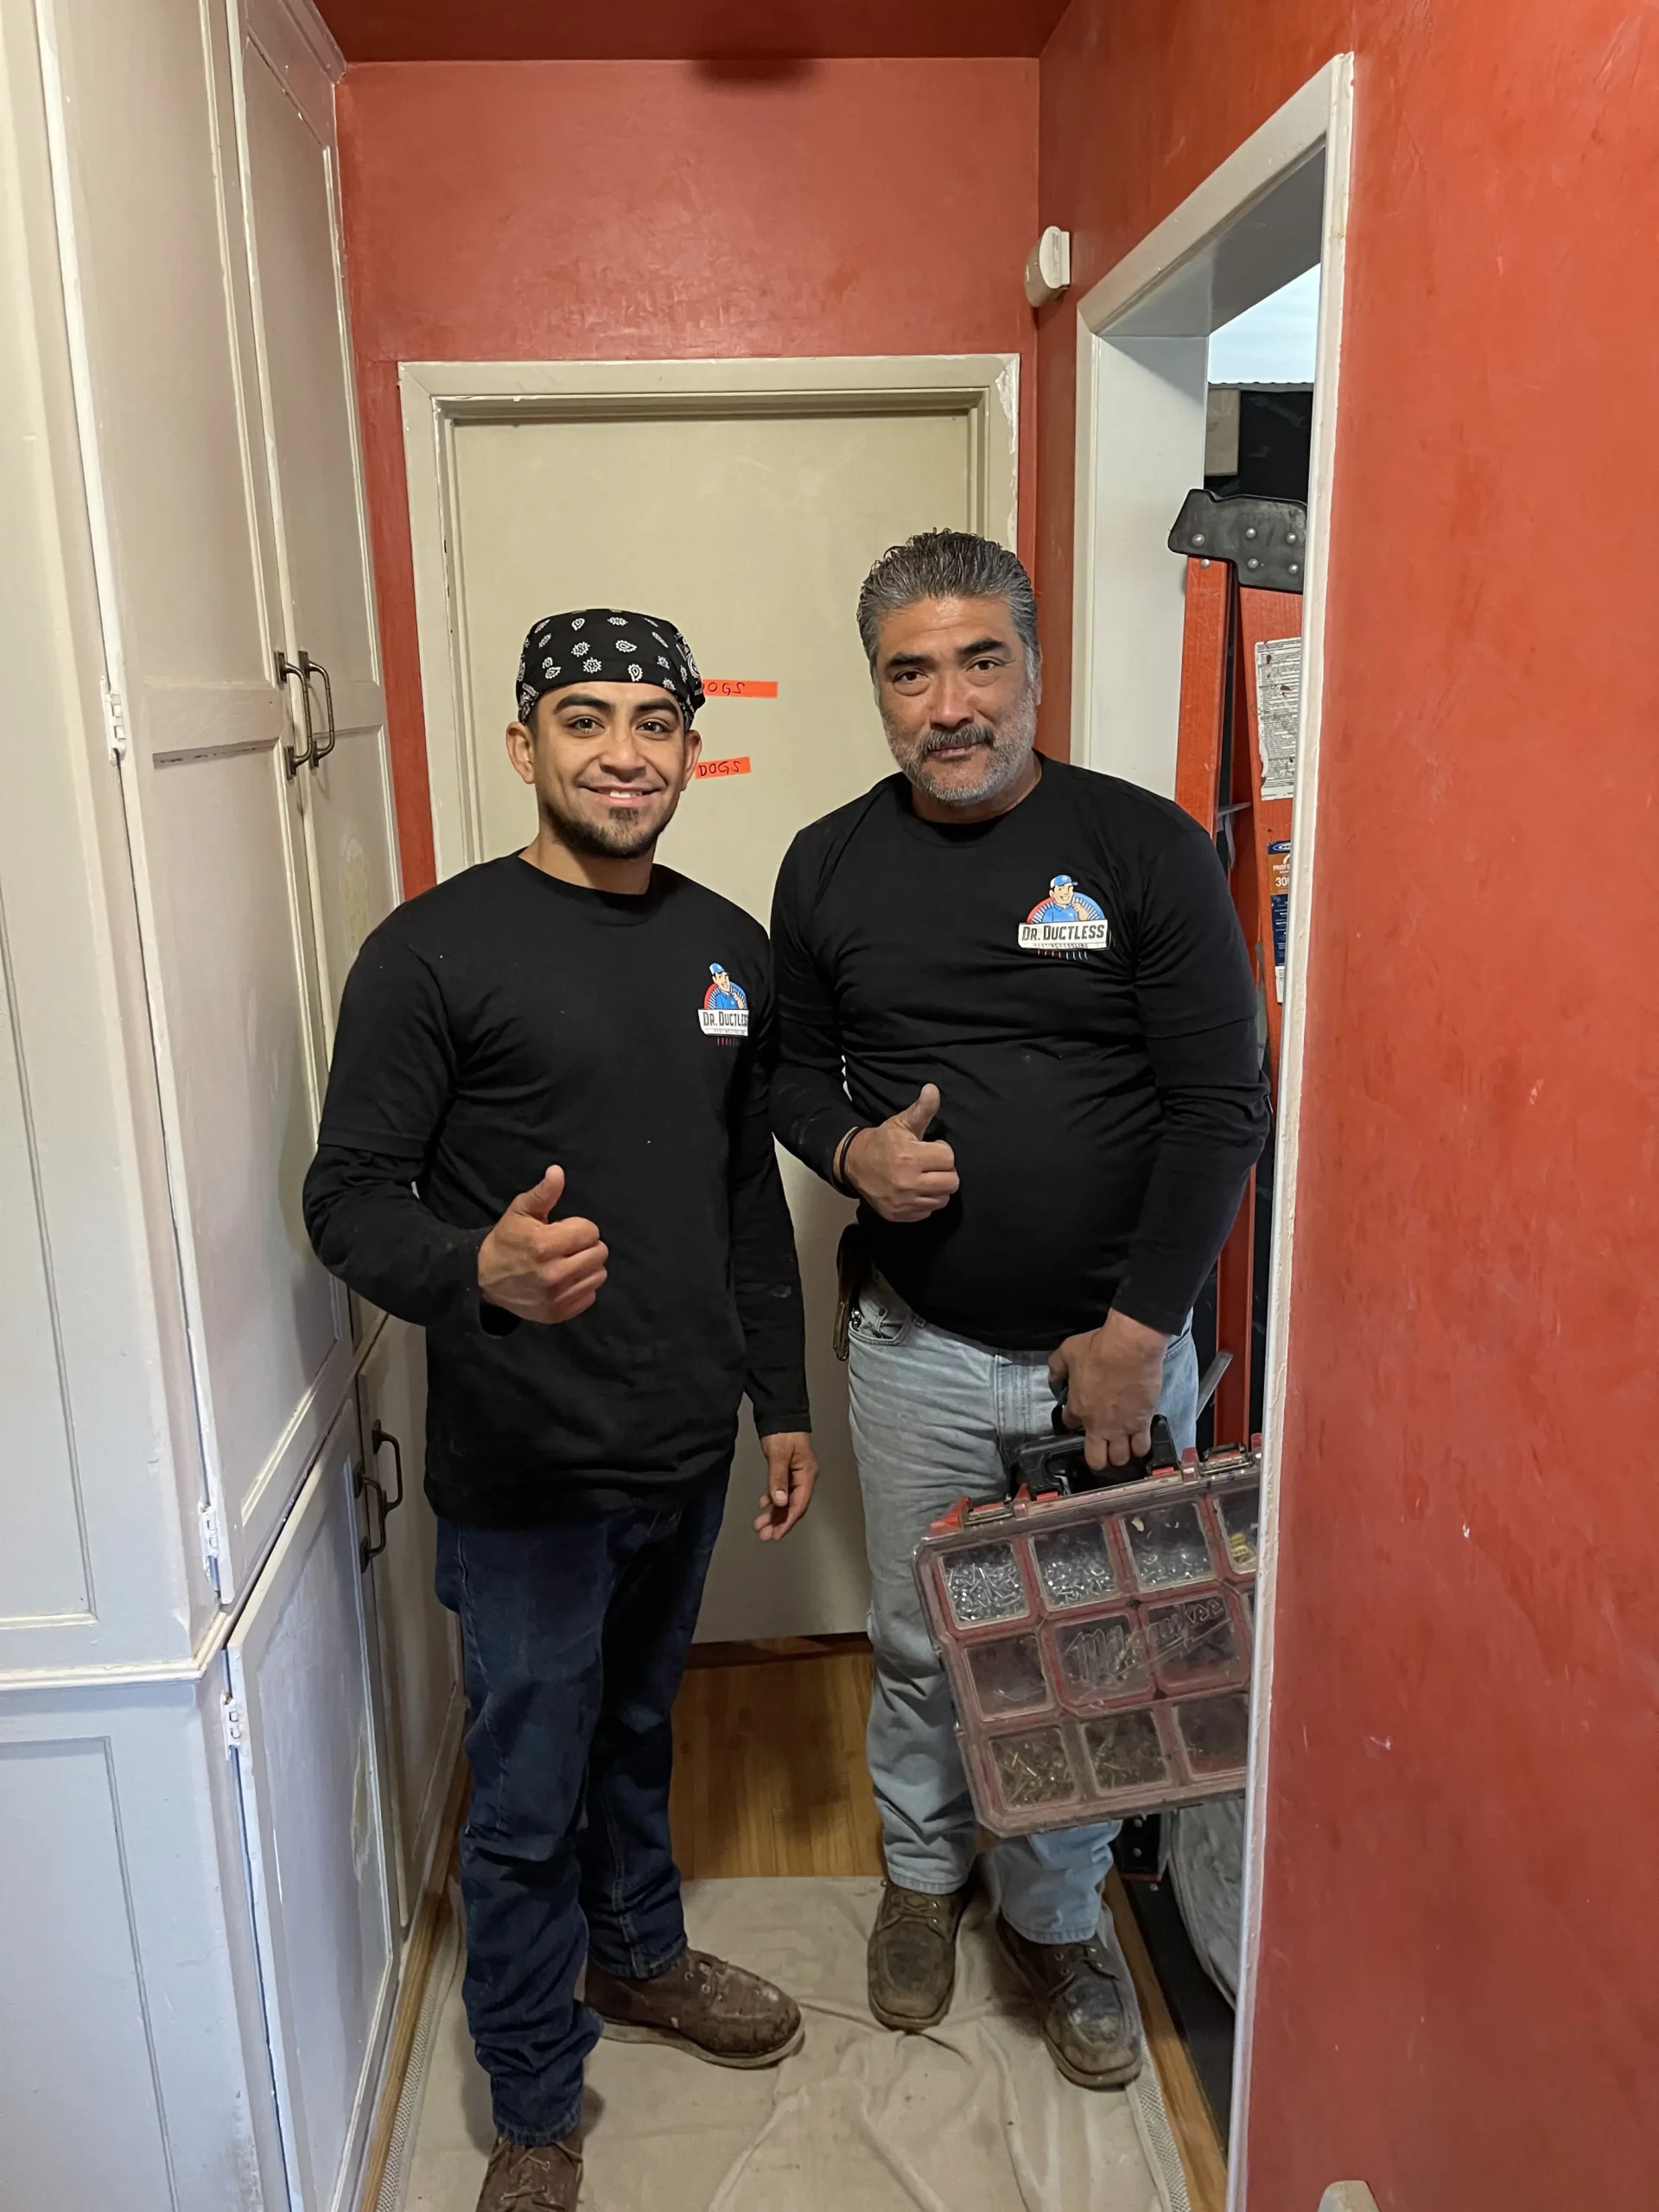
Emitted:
pixel 575 1638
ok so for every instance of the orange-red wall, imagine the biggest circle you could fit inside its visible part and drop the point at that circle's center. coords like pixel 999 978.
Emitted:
pixel 1460 1960
pixel 597 211
pixel 1460 1997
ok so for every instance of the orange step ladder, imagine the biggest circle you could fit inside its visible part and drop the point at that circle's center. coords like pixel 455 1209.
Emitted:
pixel 1235 772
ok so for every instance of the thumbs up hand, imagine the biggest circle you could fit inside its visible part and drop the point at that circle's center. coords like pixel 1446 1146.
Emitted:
pixel 541 1270
pixel 897 1170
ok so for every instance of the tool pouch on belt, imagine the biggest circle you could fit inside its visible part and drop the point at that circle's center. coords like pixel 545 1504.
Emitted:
pixel 852 1273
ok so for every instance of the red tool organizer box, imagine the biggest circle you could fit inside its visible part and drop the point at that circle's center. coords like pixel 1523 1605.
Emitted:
pixel 1099 1646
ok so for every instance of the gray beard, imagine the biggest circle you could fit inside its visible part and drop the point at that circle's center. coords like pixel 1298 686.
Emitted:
pixel 1004 763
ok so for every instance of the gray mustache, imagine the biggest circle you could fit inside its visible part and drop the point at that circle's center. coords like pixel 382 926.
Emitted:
pixel 942 740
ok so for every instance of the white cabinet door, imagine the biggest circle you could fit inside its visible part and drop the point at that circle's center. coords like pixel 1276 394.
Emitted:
pixel 139 98
pixel 419 1650
pixel 312 1805
pixel 134 2070
pixel 291 191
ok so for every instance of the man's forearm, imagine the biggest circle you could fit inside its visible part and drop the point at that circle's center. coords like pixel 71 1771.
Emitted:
pixel 765 1272
pixel 767 1286
pixel 775 1341
pixel 369 1228
pixel 1213 1134
pixel 813 1117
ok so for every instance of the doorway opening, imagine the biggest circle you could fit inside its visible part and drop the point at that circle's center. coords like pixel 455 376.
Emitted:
pixel 1207 360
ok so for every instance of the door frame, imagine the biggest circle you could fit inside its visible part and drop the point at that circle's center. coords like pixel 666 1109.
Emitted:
pixel 437 396
pixel 1143 334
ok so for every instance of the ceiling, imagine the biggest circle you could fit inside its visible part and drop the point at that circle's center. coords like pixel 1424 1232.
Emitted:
pixel 673 30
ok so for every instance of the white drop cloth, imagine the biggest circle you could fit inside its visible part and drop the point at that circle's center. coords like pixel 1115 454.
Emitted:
pixel 969 2118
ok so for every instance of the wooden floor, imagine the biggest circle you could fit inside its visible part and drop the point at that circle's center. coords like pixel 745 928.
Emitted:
pixel 770 1778
pixel 769 1772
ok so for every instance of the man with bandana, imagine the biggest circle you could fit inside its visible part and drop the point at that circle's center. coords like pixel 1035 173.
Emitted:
pixel 534 1146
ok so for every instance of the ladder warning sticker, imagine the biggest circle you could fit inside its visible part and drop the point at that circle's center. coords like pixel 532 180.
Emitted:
pixel 732 764
pixel 1279 701
pixel 737 687
pixel 1279 893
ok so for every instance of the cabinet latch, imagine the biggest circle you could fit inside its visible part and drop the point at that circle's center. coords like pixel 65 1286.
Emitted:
pixel 114 723
pixel 207 1516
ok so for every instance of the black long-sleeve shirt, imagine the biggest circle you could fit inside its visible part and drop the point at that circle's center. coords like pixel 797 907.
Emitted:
pixel 1072 977
pixel 506 1022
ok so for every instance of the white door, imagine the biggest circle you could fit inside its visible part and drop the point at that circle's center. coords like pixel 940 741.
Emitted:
pixel 415 1639
pixel 325 610
pixel 753 532
pixel 175 453
pixel 43 1562
pixel 299 1672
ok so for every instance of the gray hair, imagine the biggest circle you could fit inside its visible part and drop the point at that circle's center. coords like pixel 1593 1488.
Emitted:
pixel 949 564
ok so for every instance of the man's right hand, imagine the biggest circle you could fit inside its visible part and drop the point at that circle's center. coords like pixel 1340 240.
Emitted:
pixel 896 1170
pixel 541 1270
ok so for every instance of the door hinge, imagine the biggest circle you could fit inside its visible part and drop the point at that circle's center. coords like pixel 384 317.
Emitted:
pixel 114 723
pixel 236 1724
pixel 208 1515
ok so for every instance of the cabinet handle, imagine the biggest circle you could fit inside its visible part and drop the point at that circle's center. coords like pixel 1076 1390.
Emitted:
pixel 309 668
pixel 379 1437
pixel 286 673
pixel 367 1548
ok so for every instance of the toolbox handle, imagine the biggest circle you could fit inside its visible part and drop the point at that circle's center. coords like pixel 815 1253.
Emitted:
pixel 1162 1458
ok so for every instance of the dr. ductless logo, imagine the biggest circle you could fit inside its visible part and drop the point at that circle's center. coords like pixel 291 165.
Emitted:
pixel 1068 925
pixel 724 1012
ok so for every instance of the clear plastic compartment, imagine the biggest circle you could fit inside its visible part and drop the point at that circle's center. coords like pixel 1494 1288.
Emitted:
pixel 983 1585
pixel 1007 1676
pixel 1166 1546
pixel 1215 1733
pixel 1103 1659
pixel 1241 1527
pixel 1075 1566
pixel 1125 1750
pixel 1194 1641
pixel 1032 1769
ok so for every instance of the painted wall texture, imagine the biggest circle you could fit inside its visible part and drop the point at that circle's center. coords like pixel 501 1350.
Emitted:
pixel 602 211
pixel 1460 1978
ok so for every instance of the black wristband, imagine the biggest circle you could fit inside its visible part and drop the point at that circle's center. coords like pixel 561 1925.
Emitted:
pixel 838 1161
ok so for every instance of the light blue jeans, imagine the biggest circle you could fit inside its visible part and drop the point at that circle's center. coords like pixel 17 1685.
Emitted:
pixel 937 1417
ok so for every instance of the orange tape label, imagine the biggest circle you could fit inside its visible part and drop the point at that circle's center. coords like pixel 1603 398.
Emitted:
pixel 734 764
pixel 737 687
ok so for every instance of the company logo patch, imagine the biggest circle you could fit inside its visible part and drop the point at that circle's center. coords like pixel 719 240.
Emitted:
pixel 1067 923
pixel 725 1009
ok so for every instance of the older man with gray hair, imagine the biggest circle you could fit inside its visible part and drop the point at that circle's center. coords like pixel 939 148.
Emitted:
pixel 1018 1023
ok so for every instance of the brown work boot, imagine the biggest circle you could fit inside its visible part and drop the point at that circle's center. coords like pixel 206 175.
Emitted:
pixel 702 2004
pixel 1091 2022
pixel 913 1955
pixel 532 2176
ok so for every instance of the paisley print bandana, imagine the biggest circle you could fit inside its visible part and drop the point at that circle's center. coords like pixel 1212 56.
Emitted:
pixel 601 646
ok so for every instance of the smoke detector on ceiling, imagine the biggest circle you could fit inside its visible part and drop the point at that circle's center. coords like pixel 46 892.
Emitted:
pixel 1048 272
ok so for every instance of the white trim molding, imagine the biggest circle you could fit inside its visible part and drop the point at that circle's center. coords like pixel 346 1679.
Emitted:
pixel 1274 208
pixel 1339 94
pixel 438 396
pixel 293 35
